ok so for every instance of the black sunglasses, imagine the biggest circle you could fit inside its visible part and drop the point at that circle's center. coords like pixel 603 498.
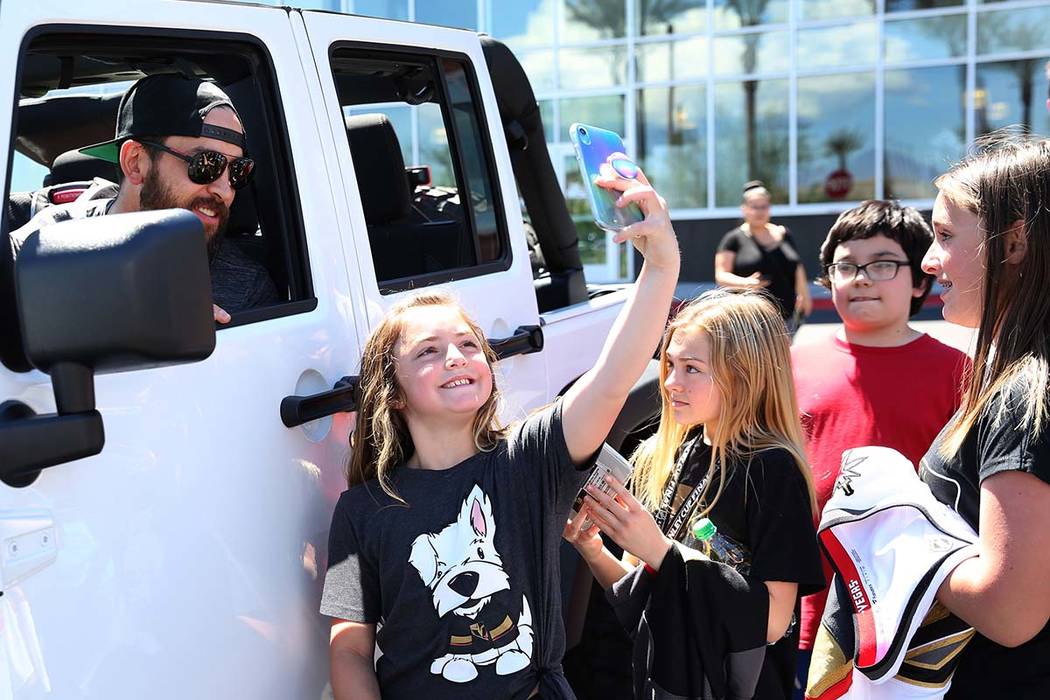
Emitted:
pixel 208 166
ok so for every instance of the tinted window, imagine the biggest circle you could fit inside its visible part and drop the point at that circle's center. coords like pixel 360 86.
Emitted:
pixel 71 86
pixel 423 167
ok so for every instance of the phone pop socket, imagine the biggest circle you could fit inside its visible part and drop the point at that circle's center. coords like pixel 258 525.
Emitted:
pixel 625 168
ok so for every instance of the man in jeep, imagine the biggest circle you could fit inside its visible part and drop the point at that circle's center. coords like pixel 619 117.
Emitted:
pixel 179 144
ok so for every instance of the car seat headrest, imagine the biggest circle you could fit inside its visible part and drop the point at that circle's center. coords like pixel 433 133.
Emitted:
pixel 73 166
pixel 381 177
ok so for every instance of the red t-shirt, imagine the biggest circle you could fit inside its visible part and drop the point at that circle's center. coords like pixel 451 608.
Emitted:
pixel 855 395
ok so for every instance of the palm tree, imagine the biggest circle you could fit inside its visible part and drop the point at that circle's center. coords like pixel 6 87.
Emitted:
pixel 750 13
pixel 662 11
pixel 840 144
pixel 609 18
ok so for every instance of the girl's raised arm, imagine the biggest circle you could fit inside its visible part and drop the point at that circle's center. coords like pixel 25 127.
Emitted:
pixel 592 403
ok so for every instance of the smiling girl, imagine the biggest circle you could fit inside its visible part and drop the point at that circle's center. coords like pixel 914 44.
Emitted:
pixel 442 576
pixel 729 447
pixel 991 463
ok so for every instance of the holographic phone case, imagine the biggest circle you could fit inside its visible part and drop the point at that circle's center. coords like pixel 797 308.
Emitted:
pixel 593 147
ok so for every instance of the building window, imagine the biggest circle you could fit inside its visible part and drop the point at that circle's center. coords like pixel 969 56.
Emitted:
pixel 436 217
pixel 925 38
pixel 833 9
pixel 1011 93
pixel 917 148
pixel 751 139
pixel 827 101
pixel 660 17
pixel 836 144
pixel 734 14
pixel 671 143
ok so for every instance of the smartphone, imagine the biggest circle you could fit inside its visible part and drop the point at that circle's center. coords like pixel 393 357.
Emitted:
pixel 593 147
pixel 609 462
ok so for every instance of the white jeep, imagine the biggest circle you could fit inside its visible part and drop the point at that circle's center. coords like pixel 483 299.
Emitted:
pixel 167 485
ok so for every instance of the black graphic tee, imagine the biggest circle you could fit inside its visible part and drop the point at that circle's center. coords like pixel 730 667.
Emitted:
pixel 764 506
pixel 778 264
pixel 463 582
pixel 986 669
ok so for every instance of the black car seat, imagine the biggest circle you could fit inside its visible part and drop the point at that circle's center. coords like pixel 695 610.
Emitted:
pixel 242 228
pixel 74 166
pixel 260 222
pixel 18 210
pixel 403 243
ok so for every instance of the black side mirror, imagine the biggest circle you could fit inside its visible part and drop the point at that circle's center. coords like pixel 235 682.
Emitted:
pixel 105 294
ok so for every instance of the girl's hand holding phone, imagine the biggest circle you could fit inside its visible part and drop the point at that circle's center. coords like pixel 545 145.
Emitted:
pixel 587 541
pixel 630 525
pixel 654 236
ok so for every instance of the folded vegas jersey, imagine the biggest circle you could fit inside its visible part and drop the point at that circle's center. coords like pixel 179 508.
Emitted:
pixel 891 545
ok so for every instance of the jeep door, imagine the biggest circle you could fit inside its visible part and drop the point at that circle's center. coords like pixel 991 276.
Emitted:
pixel 411 101
pixel 183 560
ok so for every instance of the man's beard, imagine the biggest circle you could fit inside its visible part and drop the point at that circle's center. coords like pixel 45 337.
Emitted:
pixel 156 195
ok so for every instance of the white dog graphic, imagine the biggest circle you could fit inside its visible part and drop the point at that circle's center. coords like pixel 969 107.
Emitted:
pixel 464 572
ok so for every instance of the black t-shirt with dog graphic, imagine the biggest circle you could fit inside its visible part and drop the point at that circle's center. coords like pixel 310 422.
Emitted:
pixel 463 582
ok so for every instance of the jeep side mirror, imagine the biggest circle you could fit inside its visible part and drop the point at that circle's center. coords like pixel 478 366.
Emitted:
pixel 105 294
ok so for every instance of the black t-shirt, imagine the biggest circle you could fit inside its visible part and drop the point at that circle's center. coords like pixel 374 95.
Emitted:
pixel 464 581
pixel 986 669
pixel 764 506
pixel 778 265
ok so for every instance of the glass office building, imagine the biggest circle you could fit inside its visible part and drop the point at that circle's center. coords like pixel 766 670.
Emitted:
pixel 829 102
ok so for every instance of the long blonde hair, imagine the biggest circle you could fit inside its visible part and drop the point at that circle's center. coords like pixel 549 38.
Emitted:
pixel 751 368
pixel 1007 182
pixel 381 441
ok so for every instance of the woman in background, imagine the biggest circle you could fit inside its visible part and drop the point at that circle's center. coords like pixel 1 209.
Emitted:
pixel 761 255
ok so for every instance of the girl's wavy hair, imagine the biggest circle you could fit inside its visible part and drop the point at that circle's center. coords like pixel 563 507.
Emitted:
pixel 1005 182
pixel 751 368
pixel 380 441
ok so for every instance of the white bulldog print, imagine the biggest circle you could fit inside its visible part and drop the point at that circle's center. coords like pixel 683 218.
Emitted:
pixel 464 572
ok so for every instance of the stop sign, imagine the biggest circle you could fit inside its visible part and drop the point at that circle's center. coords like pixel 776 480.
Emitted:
pixel 838 184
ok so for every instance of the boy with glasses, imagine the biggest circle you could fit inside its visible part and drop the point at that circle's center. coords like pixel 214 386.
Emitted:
pixel 877 380
pixel 179 144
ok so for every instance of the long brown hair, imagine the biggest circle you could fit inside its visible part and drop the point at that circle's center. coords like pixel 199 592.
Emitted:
pixel 1006 183
pixel 751 368
pixel 381 441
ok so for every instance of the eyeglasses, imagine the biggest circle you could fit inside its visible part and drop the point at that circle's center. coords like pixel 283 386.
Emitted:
pixel 208 166
pixel 876 271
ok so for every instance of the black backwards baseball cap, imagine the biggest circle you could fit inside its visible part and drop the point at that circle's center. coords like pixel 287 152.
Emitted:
pixel 167 104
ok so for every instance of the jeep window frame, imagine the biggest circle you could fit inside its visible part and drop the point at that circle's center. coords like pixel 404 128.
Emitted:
pixel 286 220
pixel 392 52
